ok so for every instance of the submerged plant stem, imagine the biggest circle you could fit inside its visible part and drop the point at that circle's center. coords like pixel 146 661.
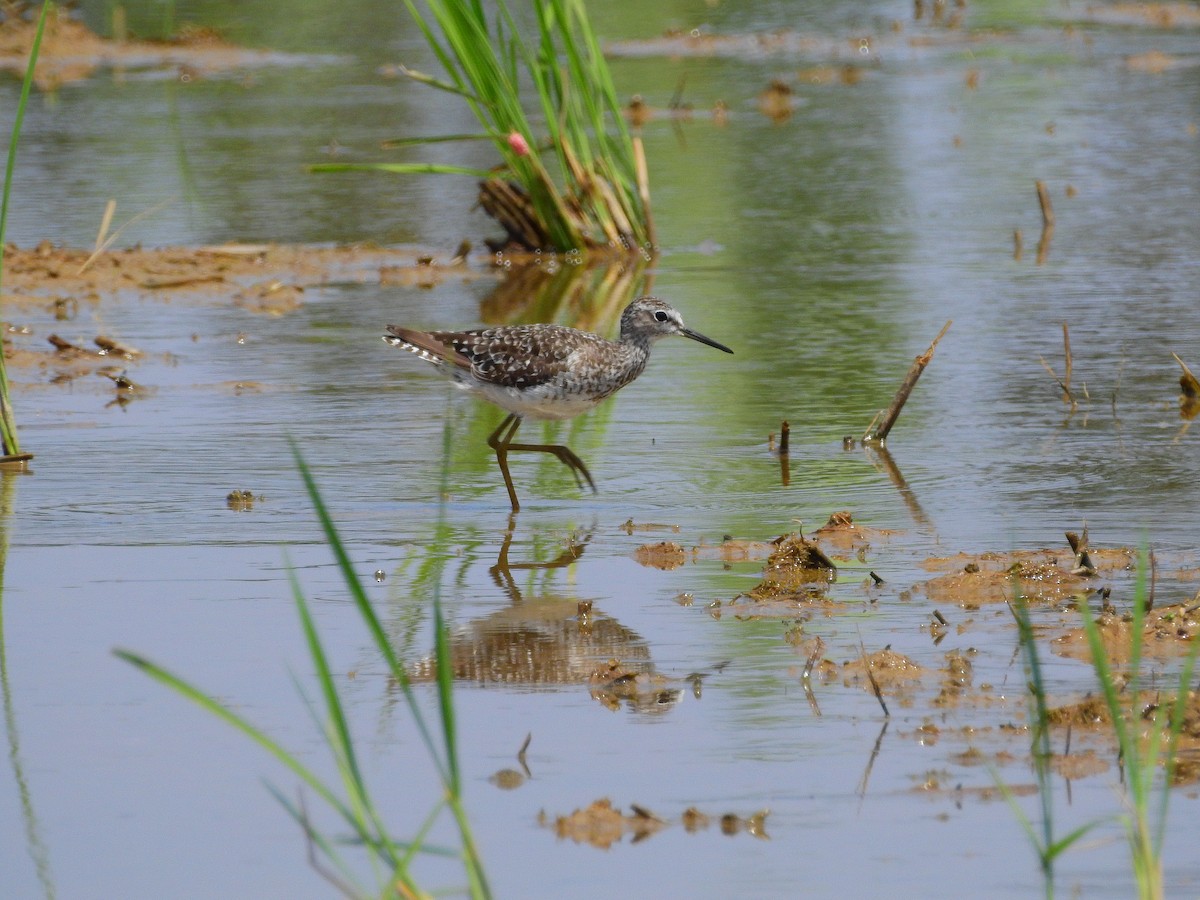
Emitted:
pixel 8 424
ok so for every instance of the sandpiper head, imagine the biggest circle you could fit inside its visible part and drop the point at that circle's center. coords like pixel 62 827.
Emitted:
pixel 648 319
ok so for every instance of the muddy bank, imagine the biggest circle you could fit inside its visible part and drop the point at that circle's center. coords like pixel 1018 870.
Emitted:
pixel 70 52
pixel 48 291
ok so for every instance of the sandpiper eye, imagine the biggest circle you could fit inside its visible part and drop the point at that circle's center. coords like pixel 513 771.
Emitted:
pixel 660 316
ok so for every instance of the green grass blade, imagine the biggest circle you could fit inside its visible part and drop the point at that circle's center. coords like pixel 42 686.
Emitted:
pixel 402 168
pixel 374 626
pixel 399 143
pixel 185 689
pixel 578 103
pixel 440 85
pixel 349 884
pixel 1178 710
pixel 8 424
pixel 445 679
pixel 340 741
pixel 1065 842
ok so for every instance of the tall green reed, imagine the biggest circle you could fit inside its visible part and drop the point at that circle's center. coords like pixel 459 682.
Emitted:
pixel 1041 834
pixel 8 423
pixel 1146 735
pixel 353 803
pixel 574 180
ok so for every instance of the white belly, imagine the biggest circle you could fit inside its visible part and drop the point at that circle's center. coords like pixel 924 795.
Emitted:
pixel 535 403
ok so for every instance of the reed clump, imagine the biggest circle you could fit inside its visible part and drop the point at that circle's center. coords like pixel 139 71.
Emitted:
pixel 571 176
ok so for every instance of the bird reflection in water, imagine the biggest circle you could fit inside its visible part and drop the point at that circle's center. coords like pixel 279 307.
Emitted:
pixel 550 641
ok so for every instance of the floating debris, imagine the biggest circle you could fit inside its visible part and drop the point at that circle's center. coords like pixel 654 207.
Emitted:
pixel 122 381
pixel 241 501
pixel 665 555
pixel 613 683
pixel 602 825
pixel 795 564
pixel 629 527
pixel 110 347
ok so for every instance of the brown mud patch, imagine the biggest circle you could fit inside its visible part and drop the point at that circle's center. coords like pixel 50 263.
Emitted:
pixel 49 272
pixel 799 587
pixel 1036 582
pixel 54 285
pixel 886 670
pixel 794 566
pixel 71 52
pixel 1152 15
pixel 613 683
pixel 1166 631
pixel 1148 713
pixel 1105 560
pixel 840 537
pixel 665 555
pixel 843 537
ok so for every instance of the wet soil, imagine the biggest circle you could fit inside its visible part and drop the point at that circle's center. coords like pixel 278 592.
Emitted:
pixel 70 52
pixel 799 579
pixel 49 284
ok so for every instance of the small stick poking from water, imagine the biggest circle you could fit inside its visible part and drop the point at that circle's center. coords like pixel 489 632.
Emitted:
pixel 1188 382
pixel 1153 579
pixel 871 678
pixel 1044 203
pixel 1068 397
pixel 521 755
pixel 1043 247
pixel 784 432
pixel 1079 546
pixel 1067 352
pixel 877 431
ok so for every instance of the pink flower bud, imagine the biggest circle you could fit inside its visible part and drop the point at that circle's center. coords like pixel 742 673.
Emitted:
pixel 516 140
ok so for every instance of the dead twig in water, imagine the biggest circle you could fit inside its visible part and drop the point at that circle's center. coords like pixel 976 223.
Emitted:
pixel 1079 546
pixel 1065 381
pixel 1067 353
pixel 105 240
pixel 877 433
pixel 871 677
pixel 1043 247
pixel 310 837
pixel 1067 395
pixel 1188 383
pixel 866 776
pixel 521 755
pixel 1044 202
pixel 1153 578
pixel 806 680
pixel 785 465
pixel 881 458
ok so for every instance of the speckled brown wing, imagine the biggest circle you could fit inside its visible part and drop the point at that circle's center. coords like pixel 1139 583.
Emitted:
pixel 516 355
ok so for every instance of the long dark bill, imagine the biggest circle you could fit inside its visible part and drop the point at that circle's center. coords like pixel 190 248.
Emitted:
pixel 697 336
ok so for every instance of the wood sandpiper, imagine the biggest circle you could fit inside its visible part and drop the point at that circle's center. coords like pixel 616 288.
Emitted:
pixel 546 371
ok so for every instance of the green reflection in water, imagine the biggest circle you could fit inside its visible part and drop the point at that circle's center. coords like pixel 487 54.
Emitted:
pixel 33 832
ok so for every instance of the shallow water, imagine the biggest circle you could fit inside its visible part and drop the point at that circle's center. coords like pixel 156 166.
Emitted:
pixel 827 250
